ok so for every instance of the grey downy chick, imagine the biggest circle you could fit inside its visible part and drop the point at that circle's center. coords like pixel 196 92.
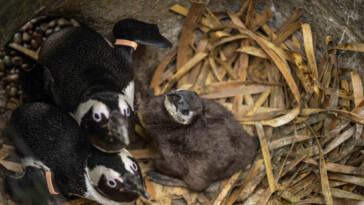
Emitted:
pixel 200 141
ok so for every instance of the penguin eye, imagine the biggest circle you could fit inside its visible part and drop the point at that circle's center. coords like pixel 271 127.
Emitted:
pixel 134 166
pixel 97 116
pixel 111 183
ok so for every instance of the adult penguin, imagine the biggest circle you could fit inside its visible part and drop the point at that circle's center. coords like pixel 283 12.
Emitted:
pixel 93 80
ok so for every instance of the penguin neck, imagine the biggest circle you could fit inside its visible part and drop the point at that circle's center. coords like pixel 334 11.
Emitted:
pixel 126 53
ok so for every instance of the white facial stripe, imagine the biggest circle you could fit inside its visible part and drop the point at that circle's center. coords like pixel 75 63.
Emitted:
pixel 123 105
pixel 128 163
pixel 96 173
pixel 129 94
pixel 177 116
pixel 84 107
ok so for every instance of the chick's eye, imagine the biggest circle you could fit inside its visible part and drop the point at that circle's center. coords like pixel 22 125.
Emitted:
pixel 97 116
pixel 111 183
pixel 134 166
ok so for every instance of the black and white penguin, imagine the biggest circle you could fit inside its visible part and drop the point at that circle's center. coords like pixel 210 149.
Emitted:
pixel 200 141
pixel 85 75
pixel 49 140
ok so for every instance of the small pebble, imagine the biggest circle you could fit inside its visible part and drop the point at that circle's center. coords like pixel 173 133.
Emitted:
pixel 37 29
pixel 53 23
pixel 11 106
pixel 17 38
pixel 44 27
pixel 57 28
pixel 29 25
pixel 26 45
pixel 12 53
pixel 7 60
pixel 25 66
pixel 2 65
pixel 63 22
pixel 34 44
pixel 49 32
pixel 75 23
pixel 12 71
pixel 37 37
pixel 35 20
pixel 26 37
pixel 2 74
pixel 17 60
pixel 12 78
pixel 13 91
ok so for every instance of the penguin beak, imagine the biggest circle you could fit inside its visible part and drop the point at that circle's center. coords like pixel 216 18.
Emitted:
pixel 133 184
pixel 118 128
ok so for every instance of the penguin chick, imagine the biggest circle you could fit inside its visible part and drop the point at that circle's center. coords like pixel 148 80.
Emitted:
pixel 83 74
pixel 200 141
pixel 50 140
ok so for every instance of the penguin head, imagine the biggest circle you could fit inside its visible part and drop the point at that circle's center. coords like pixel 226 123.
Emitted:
pixel 107 119
pixel 183 106
pixel 116 176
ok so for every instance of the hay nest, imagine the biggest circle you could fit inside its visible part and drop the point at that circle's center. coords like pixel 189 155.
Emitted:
pixel 307 115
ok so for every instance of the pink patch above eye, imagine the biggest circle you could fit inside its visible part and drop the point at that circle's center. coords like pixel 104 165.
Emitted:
pixel 101 110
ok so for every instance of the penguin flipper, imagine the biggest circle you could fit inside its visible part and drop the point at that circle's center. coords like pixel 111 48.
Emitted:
pixel 140 32
pixel 31 187
pixel 165 180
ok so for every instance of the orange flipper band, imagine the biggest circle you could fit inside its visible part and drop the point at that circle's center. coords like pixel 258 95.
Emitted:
pixel 49 183
pixel 123 42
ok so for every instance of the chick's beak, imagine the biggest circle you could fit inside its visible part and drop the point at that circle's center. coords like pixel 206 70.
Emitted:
pixel 133 184
pixel 118 128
